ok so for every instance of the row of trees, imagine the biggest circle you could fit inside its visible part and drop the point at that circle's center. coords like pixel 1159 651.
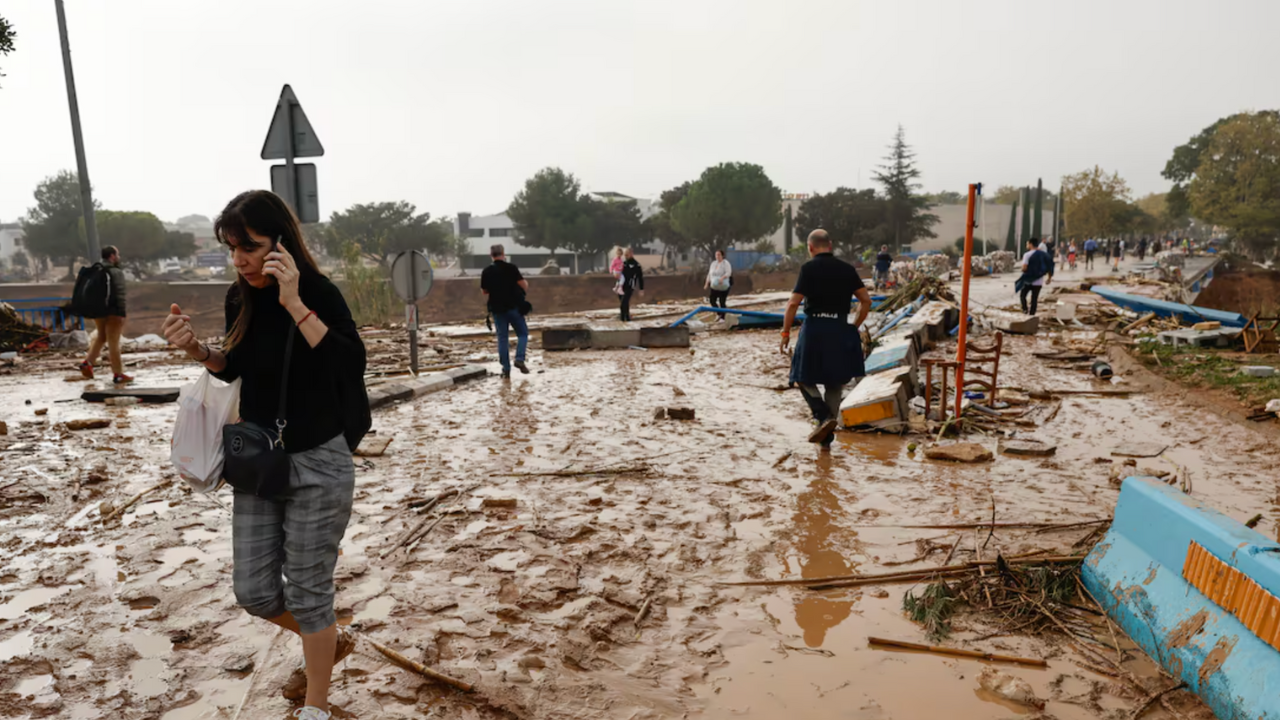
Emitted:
pixel 54 229
pixel 730 204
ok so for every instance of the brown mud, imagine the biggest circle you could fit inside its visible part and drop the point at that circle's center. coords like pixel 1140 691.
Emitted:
pixel 537 604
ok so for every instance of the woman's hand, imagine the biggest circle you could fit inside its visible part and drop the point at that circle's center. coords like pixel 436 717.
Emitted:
pixel 177 329
pixel 280 265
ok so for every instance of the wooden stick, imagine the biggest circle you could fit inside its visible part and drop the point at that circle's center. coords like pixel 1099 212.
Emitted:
pixel 905 575
pixel 980 526
pixel 405 538
pixel 417 667
pixel 1034 662
pixel 1151 700
pixel 132 501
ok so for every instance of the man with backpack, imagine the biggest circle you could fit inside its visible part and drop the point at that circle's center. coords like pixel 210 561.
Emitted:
pixel 100 295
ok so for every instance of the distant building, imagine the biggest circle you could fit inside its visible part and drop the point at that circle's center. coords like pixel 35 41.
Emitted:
pixel 485 231
pixel 11 241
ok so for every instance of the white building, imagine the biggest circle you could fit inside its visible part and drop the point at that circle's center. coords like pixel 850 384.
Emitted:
pixel 11 238
pixel 484 231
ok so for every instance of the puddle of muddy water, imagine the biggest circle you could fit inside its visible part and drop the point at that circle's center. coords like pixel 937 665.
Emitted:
pixel 30 599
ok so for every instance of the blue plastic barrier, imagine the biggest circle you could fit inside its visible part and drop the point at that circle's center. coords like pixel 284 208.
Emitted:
pixel 1189 314
pixel 1136 573
pixel 49 317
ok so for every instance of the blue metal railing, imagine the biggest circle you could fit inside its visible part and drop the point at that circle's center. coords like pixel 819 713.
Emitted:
pixel 50 317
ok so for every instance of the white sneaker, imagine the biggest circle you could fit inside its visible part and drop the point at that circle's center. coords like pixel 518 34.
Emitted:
pixel 311 713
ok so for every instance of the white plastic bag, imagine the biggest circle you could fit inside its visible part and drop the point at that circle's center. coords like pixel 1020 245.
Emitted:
pixel 203 408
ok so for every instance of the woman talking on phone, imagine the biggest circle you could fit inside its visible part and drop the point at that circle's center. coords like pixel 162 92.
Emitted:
pixel 291 342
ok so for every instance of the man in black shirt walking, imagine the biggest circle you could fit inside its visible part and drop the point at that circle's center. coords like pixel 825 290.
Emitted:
pixel 829 350
pixel 883 262
pixel 632 280
pixel 506 287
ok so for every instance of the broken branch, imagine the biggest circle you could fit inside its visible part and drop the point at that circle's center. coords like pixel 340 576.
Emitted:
pixel 1034 662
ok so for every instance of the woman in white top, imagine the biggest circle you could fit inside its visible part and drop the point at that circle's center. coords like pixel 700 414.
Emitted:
pixel 719 280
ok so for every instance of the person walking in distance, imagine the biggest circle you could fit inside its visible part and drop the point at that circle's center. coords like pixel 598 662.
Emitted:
pixel 111 325
pixel 506 288
pixel 289 334
pixel 1117 254
pixel 829 349
pixel 632 280
pixel 1090 249
pixel 719 280
pixel 1037 268
pixel 884 261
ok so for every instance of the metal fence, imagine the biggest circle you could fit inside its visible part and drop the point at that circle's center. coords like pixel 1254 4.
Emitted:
pixel 49 315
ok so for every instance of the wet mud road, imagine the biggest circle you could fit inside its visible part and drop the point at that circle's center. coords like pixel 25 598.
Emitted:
pixel 537 602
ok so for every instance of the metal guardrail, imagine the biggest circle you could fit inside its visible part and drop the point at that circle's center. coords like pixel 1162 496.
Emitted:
pixel 51 317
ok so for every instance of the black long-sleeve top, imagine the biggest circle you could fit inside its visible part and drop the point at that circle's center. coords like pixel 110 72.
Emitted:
pixel 632 274
pixel 317 374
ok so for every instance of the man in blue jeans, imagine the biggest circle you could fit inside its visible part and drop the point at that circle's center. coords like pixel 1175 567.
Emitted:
pixel 506 287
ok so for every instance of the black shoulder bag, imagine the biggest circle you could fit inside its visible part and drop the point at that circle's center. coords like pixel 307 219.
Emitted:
pixel 254 458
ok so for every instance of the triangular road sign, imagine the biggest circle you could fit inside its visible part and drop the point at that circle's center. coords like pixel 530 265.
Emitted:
pixel 305 142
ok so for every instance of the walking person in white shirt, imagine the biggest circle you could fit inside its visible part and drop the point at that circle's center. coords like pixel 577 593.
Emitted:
pixel 719 280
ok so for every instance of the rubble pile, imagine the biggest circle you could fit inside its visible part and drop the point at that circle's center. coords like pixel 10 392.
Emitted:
pixel 16 334
pixel 1000 261
pixel 935 265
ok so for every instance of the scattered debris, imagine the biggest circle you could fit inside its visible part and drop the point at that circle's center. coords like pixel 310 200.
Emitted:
pixel 959 452
pixel 992 657
pixel 88 424
pixel 374 446
pixel 680 413
pixel 1033 448
pixel 1013 689
pixel 1139 450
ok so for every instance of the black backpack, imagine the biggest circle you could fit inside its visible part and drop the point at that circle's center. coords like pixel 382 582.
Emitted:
pixel 91 297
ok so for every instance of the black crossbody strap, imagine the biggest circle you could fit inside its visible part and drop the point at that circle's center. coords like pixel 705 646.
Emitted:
pixel 284 384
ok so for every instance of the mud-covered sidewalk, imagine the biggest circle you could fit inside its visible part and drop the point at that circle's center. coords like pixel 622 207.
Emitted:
pixel 577 575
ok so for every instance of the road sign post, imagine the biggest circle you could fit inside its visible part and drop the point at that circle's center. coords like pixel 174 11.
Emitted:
pixel 412 278
pixel 291 136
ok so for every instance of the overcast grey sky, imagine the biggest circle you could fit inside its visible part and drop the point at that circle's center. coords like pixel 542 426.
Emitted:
pixel 451 104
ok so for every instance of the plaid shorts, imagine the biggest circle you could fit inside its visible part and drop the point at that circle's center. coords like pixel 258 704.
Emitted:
pixel 285 548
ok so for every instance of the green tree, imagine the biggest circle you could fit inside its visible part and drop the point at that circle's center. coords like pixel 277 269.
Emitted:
pixel 384 229
pixel 548 211
pixel 1038 214
pixel 907 212
pixel 7 36
pixel 730 203
pixel 605 224
pixel 658 225
pixel 21 260
pixel 1008 194
pixel 139 236
pixel 1237 183
pixel 947 197
pixel 179 244
pixel 854 219
pixel 368 293
pixel 52 227
pixel 1097 203
pixel 1182 166
pixel 1011 242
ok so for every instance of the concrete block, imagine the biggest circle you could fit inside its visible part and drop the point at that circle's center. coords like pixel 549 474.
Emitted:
pixel 1258 371
pixel 384 395
pixel 467 372
pixel 427 384
pixel 894 356
pixel 1197 591
pixel 566 339
pixel 934 320
pixel 1221 337
pixel 615 337
pixel 1013 323
pixel 878 400
pixel 664 337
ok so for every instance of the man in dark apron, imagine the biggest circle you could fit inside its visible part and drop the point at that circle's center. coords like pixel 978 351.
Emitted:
pixel 829 350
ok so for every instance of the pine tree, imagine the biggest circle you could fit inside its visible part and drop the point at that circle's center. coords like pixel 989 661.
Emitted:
pixel 1011 243
pixel 908 213
pixel 1026 215
pixel 1036 226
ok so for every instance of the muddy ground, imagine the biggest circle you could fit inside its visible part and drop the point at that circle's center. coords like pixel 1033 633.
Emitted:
pixel 537 603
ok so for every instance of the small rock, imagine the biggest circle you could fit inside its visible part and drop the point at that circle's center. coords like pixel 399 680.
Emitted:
pixel 880 593
pixel 660 414
pixel 491 502
pixel 88 424
pixel 959 452
pixel 4 428
pixel 680 413
pixel 1032 448
pixel 1013 689
pixel 532 661
pixel 42 411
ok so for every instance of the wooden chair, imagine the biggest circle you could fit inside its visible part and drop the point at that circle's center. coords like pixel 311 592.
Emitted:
pixel 1260 334
pixel 977 375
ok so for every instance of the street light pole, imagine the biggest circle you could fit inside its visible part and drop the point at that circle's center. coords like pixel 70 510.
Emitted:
pixel 82 168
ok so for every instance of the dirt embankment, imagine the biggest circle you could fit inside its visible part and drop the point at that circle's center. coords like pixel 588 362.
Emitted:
pixel 1245 292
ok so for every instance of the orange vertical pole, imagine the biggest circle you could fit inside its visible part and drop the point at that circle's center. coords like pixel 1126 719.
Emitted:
pixel 966 269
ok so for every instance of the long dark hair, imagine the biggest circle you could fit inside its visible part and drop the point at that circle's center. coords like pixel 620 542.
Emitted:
pixel 265 213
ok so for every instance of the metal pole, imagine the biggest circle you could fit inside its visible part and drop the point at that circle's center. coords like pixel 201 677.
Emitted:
pixel 82 167
pixel 413 323
pixel 290 182
pixel 965 271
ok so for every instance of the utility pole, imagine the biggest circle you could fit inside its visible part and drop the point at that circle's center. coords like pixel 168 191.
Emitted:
pixel 82 167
